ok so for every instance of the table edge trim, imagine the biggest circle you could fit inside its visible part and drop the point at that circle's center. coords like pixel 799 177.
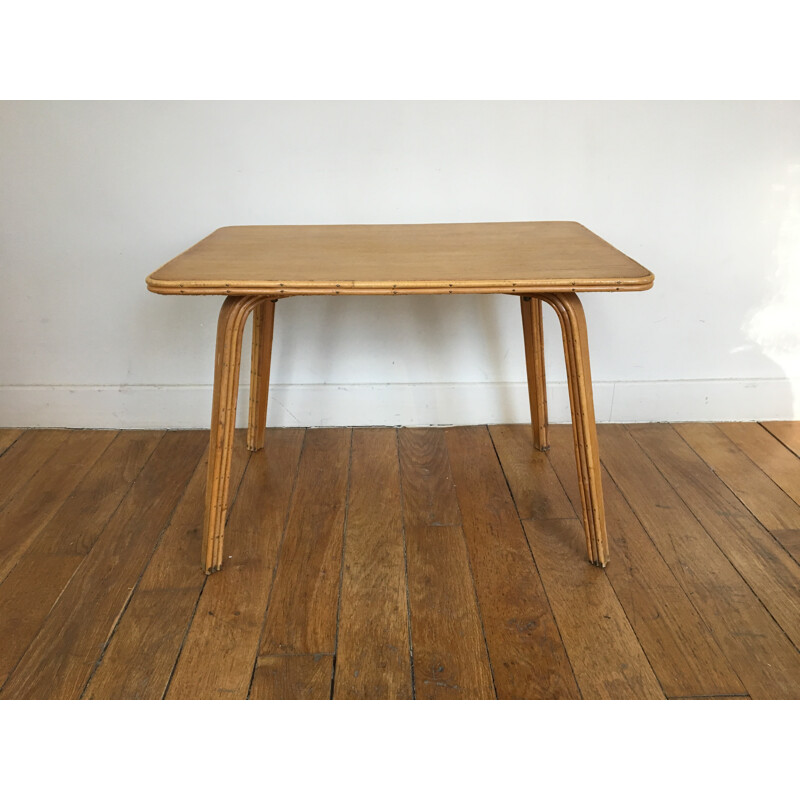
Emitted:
pixel 281 289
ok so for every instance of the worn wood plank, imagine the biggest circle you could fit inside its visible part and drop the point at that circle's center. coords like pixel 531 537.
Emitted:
pixel 139 659
pixel 768 569
pixel 450 656
pixel 373 659
pixel 536 489
pixel 429 496
pixel 660 594
pixel 684 656
pixel 768 503
pixel 30 452
pixel 717 697
pixel 301 618
pixel 34 585
pixel 7 437
pixel 766 662
pixel 772 456
pixel 23 517
pixel 306 677
pixel 525 649
pixel 61 658
pixel 787 432
pixel 790 540
pixel 219 653
pixel 606 657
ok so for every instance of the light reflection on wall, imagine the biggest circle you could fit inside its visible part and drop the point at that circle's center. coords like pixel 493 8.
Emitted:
pixel 775 327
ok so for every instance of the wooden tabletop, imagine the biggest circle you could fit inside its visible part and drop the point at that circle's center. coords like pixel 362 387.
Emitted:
pixel 491 257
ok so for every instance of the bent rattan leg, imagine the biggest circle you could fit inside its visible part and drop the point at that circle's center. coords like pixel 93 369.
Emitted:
pixel 230 327
pixel 263 323
pixel 576 350
pixel 534 361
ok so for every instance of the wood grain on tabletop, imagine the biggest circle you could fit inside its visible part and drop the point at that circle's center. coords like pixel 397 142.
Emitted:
pixel 392 259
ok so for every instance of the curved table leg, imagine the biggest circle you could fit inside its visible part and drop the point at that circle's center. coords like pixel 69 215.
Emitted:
pixel 263 324
pixel 576 350
pixel 230 327
pixel 534 361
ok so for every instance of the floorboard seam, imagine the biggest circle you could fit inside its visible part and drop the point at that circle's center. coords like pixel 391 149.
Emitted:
pixel 60 505
pixel 127 602
pixel 678 583
pixel 747 457
pixel 341 562
pixel 761 425
pixel 193 613
pixel 703 527
pixel 535 565
pixel 83 560
pixel 405 564
pixel 277 559
pixel 12 443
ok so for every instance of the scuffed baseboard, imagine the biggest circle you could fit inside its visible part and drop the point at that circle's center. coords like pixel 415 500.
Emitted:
pixel 422 404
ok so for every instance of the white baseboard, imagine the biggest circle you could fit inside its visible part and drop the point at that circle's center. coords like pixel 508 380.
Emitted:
pixel 320 405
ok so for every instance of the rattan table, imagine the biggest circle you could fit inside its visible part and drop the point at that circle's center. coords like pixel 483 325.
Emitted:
pixel 254 266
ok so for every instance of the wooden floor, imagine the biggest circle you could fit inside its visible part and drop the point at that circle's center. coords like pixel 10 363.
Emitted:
pixel 400 563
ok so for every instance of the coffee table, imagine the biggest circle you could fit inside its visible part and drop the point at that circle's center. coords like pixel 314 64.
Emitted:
pixel 255 266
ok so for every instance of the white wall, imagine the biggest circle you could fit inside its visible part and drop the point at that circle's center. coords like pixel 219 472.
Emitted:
pixel 94 196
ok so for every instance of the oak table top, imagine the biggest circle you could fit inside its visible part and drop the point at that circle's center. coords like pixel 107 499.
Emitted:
pixel 457 258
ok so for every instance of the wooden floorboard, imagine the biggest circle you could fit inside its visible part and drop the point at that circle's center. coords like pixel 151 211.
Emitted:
pixel 764 564
pixel 301 618
pixel 24 516
pixel 766 501
pixel 141 656
pixel 373 654
pixel 686 660
pixel 788 433
pixel 219 653
pixel 537 491
pixel 605 654
pixel 525 648
pixel 30 453
pixel 764 659
pixel 37 581
pixel 307 677
pixel 381 563
pixel 62 657
pixel 790 540
pixel 7 437
pixel 450 656
pixel 776 460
